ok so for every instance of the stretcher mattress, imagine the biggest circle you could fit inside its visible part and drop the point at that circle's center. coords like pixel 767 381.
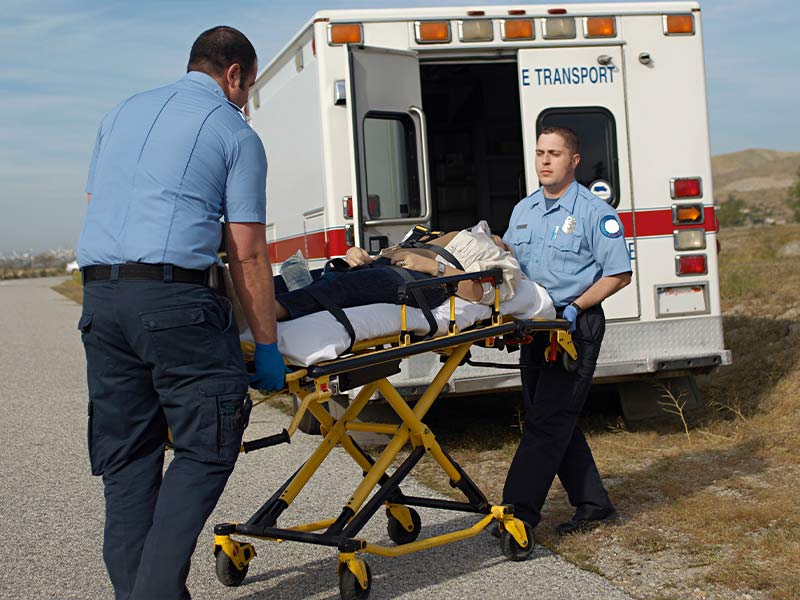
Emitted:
pixel 319 336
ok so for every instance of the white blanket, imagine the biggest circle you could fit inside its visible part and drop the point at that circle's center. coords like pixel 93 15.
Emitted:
pixel 319 336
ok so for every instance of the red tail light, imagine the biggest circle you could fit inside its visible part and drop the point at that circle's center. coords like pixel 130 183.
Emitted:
pixel 686 187
pixel 347 207
pixel 374 206
pixel 691 264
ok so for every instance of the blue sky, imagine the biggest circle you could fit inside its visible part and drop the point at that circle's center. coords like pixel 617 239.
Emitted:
pixel 64 64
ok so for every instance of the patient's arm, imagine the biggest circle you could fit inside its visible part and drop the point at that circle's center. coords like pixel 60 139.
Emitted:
pixel 412 260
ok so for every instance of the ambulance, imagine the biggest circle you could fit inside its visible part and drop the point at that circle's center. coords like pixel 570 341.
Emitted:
pixel 375 121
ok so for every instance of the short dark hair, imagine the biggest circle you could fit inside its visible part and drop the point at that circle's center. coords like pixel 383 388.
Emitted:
pixel 569 136
pixel 218 48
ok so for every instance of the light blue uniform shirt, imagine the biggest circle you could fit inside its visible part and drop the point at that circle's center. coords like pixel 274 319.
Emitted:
pixel 569 247
pixel 167 165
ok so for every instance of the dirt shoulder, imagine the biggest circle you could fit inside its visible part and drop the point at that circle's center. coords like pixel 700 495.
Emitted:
pixel 710 512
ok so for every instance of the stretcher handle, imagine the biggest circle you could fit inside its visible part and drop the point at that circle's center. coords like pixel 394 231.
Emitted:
pixel 265 442
pixel 493 276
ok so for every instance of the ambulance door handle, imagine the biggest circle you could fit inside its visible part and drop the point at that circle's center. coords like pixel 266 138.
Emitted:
pixel 423 132
pixel 604 59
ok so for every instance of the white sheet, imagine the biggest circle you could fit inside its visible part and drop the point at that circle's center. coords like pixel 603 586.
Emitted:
pixel 318 337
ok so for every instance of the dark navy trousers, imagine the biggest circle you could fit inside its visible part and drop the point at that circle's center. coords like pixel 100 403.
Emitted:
pixel 374 283
pixel 160 355
pixel 552 443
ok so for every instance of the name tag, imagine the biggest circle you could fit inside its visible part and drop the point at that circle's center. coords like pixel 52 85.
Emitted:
pixel 522 226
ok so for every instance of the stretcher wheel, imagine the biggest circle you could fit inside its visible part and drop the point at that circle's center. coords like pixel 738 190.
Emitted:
pixel 227 573
pixel 569 364
pixel 399 534
pixel 512 550
pixel 350 589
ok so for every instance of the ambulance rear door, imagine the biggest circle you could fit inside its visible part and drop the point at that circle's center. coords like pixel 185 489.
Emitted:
pixel 390 163
pixel 583 88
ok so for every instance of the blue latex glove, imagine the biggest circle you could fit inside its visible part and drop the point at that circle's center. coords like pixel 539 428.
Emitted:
pixel 270 375
pixel 571 315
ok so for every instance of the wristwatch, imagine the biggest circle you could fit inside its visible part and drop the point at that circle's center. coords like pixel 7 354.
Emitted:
pixel 578 308
pixel 440 269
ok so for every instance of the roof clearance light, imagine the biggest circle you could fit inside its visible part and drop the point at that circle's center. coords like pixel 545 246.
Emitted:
pixel 518 29
pixel 556 11
pixel 345 33
pixel 687 214
pixel 686 187
pixel 599 27
pixel 689 239
pixel 559 28
pixel 479 30
pixel 678 25
pixel 516 12
pixel 691 264
pixel 432 32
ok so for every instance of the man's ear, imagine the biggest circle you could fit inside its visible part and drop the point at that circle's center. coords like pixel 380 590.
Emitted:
pixel 576 159
pixel 233 75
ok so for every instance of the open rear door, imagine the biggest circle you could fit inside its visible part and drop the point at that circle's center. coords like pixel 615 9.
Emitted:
pixel 584 89
pixel 390 158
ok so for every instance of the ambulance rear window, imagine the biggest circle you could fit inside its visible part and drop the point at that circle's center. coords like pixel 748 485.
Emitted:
pixel 390 147
pixel 597 131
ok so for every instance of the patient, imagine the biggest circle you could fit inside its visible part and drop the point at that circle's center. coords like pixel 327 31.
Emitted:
pixel 376 279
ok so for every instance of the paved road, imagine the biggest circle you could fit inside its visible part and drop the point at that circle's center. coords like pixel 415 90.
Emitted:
pixel 51 509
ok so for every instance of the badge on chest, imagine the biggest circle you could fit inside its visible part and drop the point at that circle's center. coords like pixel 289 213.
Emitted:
pixel 569 225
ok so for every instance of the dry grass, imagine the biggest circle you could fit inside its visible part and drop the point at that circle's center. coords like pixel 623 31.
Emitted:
pixel 709 504
pixel 71 288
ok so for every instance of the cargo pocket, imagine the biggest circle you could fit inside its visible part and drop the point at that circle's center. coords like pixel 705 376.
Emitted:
pixel 180 335
pixel 232 406
pixel 93 462
pixel 85 323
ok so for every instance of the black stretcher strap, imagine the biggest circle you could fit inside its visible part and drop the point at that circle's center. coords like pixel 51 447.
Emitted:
pixel 336 311
pixel 422 303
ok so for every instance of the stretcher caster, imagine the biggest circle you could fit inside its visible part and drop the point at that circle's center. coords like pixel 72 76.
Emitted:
pixel 227 573
pixel 232 559
pixel 512 549
pixel 404 528
pixel 350 588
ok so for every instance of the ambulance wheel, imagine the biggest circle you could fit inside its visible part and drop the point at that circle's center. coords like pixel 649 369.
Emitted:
pixel 349 588
pixel 569 364
pixel 227 573
pixel 399 534
pixel 512 550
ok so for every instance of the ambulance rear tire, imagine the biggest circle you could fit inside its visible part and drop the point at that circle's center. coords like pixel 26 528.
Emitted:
pixel 227 573
pixel 350 588
pixel 399 534
pixel 512 550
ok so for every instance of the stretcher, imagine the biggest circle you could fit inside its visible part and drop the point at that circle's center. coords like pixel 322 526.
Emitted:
pixel 368 366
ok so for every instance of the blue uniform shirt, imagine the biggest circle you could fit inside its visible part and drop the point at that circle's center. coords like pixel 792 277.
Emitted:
pixel 167 165
pixel 569 247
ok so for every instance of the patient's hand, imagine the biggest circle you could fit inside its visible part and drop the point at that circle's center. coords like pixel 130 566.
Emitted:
pixel 356 257
pixel 415 262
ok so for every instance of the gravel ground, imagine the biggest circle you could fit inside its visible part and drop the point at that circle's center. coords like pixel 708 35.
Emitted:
pixel 52 509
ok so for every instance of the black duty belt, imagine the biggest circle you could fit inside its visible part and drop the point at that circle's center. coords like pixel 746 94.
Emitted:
pixel 144 272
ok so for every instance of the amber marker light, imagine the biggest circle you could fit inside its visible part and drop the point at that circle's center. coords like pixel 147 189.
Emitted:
pixel 687 214
pixel 599 27
pixel 345 33
pixel 518 29
pixel 432 32
pixel 678 24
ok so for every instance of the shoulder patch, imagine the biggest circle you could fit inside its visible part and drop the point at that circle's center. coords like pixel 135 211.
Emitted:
pixel 610 227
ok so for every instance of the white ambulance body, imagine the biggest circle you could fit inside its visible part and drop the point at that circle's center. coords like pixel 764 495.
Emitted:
pixel 375 120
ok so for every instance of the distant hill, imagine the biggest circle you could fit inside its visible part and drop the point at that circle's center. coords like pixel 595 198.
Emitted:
pixel 757 181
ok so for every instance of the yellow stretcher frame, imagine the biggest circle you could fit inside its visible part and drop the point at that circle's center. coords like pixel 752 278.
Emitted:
pixel 369 366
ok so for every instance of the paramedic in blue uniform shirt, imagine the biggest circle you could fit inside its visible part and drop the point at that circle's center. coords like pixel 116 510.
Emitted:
pixel 572 243
pixel 162 348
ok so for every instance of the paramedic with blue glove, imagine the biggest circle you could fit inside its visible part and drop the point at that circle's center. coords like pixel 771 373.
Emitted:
pixel 162 346
pixel 572 243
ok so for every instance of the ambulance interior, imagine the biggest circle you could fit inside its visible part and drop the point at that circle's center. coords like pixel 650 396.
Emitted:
pixel 475 142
